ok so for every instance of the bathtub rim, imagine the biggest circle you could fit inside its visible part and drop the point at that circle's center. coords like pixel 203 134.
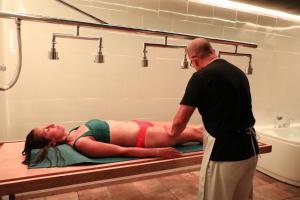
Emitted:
pixel 262 131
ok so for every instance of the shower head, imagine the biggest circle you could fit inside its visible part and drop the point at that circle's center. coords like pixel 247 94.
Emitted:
pixel 99 58
pixel 249 70
pixel 184 63
pixel 145 62
pixel 145 59
pixel 53 54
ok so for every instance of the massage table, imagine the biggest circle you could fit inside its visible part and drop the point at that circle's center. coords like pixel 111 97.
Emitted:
pixel 17 178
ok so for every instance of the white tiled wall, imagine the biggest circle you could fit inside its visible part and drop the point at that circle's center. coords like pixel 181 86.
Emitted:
pixel 74 89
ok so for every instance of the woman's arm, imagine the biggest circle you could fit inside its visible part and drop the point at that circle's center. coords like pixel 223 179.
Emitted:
pixel 93 148
pixel 165 152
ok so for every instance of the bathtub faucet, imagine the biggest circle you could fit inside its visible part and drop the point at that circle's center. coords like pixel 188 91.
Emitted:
pixel 281 123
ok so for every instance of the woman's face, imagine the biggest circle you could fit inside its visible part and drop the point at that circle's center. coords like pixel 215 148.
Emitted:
pixel 52 132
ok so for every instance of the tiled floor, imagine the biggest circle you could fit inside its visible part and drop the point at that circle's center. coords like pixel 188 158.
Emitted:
pixel 176 187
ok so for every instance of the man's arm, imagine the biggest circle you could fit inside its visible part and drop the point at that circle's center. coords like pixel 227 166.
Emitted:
pixel 181 119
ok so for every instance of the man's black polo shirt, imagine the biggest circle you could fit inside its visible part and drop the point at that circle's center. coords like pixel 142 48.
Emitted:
pixel 221 92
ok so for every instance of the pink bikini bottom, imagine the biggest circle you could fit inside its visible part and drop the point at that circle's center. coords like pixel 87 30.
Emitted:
pixel 140 140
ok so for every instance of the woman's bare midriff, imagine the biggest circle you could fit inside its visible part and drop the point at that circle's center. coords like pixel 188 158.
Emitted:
pixel 123 133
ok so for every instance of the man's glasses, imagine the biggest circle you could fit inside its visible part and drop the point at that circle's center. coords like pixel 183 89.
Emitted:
pixel 191 63
pixel 192 60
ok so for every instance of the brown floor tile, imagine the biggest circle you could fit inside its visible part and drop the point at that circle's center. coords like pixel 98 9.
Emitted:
pixel 259 196
pixel 150 186
pixel 160 196
pixel 265 177
pixel 173 181
pixel 270 191
pixel 132 197
pixel 190 178
pixel 188 192
pixel 295 198
pixel 178 187
pixel 65 196
pixel 293 190
pixel 257 181
pixel 94 194
pixel 125 191
pixel 196 173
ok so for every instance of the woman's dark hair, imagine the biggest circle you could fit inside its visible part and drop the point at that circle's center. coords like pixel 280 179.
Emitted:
pixel 33 142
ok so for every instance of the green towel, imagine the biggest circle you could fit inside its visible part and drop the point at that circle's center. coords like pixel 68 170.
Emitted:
pixel 73 157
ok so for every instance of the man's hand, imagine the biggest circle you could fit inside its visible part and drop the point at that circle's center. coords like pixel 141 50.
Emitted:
pixel 168 130
pixel 181 119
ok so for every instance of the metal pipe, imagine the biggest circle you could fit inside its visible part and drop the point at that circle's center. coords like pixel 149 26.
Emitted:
pixel 13 81
pixel 234 54
pixel 163 45
pixel 45 19
pixel 81 11
pixel 62 35
pixel 184 64
pixel 249 69
pixel 37 18
pixel 77 31
pixel 53 55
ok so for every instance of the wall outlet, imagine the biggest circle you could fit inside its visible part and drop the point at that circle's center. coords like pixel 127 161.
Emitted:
pixel 2 68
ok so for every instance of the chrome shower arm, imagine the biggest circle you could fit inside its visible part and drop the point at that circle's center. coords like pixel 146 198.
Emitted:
pixel 62 35
pixel 53 54
pixel 163 45
pixel 234 54
pixel 249 70
pixel 145 60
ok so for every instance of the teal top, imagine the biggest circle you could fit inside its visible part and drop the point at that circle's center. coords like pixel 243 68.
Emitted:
pixel 98 129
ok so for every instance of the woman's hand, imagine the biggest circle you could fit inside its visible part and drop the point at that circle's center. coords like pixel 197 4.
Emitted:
pixel 168 152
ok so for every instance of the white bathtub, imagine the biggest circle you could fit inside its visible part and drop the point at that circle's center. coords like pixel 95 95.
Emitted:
pixel 283 163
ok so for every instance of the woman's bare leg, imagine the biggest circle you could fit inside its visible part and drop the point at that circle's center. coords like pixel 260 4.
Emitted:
pixel 157 136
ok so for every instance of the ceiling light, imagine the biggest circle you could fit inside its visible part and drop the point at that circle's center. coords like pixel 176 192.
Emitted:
pixel 249 8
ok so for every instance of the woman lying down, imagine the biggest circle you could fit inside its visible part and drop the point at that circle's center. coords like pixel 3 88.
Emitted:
pixel 97 138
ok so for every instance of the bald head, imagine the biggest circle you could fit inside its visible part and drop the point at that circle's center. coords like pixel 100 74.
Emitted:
pixel 200 53
pixel 199 47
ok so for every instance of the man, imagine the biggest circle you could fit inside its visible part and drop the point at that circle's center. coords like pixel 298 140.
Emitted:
pixel 221 93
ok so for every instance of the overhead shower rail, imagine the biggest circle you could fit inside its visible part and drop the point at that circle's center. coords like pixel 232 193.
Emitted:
pixel 45 19
pixel 101 25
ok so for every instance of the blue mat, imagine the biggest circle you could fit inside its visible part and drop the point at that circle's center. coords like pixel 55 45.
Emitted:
pixel 72 157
